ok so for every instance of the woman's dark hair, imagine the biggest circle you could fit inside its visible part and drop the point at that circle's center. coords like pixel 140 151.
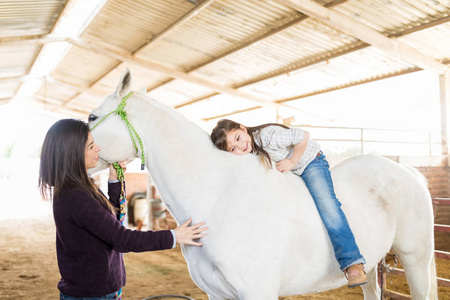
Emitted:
pixel 219 137
pixel 62 162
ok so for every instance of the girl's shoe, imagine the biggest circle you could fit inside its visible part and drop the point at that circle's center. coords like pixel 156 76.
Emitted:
pixel 356 275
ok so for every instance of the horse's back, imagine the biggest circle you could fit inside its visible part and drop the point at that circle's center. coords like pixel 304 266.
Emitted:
pixel 274 216
pixel 392 185
pixel 385 202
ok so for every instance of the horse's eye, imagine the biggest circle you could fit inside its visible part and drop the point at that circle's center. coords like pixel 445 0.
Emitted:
pixel 92 118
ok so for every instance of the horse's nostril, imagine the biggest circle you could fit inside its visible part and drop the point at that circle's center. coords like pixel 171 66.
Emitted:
pixel 92 118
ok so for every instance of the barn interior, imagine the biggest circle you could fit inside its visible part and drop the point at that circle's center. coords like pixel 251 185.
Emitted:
pixel 363 76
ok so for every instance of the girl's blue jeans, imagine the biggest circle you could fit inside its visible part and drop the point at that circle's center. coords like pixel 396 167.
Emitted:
pixel 109 296
pixel 317 178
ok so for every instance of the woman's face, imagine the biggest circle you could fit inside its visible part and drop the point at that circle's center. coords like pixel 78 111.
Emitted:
pixel 91 153
pixel 239 141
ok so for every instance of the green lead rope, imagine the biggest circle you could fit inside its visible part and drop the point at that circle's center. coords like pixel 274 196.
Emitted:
pixel 122 205
pixel 123 115
pixel 119 170
pixel 120 173
pixel 123 194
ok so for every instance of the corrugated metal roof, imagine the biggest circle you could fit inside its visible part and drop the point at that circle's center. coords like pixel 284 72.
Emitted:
pixel 190 54
pixel 25 18
pixel 18 20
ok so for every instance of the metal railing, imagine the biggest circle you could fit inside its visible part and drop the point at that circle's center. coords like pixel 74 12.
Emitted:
pixel 381 141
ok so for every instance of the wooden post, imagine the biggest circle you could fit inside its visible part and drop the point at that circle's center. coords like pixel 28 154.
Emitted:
pixel 444 95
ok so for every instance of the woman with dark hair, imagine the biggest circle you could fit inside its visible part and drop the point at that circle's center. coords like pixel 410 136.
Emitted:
pixel 292 150
pixel 90 239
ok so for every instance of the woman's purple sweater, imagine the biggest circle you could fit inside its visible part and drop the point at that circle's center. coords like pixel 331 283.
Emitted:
pixel 90 240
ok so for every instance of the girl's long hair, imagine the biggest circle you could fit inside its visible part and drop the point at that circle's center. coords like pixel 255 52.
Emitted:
pixel 62 162
pixel 219 137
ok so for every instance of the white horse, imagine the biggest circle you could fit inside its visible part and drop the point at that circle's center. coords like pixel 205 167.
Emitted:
pixel 265 236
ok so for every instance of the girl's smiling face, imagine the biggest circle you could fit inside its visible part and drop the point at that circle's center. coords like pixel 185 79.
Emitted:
pixel 239 141
pixel 91 153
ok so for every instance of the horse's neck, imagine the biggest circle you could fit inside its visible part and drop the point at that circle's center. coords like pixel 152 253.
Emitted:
pixel 180 158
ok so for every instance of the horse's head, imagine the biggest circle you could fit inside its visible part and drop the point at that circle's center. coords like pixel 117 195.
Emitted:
pixel 109 127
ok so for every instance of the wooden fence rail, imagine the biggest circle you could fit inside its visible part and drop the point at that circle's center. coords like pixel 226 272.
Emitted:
pixel 396 271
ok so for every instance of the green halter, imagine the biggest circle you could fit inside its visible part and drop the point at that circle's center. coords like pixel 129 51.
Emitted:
pixel 123 115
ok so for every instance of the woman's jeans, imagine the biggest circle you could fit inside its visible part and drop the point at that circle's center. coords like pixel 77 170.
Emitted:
pixel 109 296
pixel 317 178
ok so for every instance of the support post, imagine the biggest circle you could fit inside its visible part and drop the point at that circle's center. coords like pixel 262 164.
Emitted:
pixel 444 94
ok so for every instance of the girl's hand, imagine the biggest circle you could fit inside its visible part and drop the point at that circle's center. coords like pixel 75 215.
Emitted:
pixel 186 234
pixel 113 172
pixel 285 165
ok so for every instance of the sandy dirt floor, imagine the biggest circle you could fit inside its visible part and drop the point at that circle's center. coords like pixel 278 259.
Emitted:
pixel 29 269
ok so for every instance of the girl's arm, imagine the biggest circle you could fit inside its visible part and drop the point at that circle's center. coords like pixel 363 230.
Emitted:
pixel 285 165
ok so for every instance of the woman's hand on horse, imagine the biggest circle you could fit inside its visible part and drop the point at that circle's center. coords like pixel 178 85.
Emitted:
pixel 186 234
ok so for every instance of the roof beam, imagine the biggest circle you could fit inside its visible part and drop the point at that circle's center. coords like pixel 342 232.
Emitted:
pixel 151 41
pixel 247 44
pixel 30 40
pixel 177 24
pixel 312 62
pixel 54 106
pixel 344 86
pixel 349 84
pixel 124 57
pixel 367 34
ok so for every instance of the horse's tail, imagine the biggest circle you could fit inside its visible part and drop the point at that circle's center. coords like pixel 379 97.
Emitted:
pixel 434 286
pixel 433 277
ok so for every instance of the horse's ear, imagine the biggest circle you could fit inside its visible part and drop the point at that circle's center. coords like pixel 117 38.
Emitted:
pixel 124 84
